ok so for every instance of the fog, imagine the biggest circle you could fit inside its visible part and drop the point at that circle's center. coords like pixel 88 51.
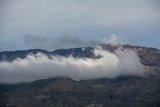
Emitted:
pixel 123 62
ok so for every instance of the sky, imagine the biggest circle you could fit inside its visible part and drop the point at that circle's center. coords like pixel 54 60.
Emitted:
pixel 53 24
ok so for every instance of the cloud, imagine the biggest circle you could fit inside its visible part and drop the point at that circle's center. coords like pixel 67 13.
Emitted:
pixel 70 40
pixel 51 43
pixel 114 40
pixel 36 41
pixel 110 65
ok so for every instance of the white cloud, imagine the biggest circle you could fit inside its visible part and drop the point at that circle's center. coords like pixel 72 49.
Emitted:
pixel 114 40
pixel 123 62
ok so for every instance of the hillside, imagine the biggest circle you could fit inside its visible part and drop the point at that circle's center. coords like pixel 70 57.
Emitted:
pixel 60 92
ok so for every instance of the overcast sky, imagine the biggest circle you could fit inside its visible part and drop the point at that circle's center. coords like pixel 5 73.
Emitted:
pixel 59 23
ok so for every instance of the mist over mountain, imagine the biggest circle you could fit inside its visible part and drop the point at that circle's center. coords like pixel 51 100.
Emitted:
pixel 110 74
pixel 79 53
pixel 104 61
pixel 78 64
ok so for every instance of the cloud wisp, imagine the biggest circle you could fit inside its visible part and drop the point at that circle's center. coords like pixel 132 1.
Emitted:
pixel 114 40
pixel 51 43
pixel 111 65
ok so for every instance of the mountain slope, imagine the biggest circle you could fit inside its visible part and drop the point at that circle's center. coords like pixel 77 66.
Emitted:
pixel 59 92
pixel 76 52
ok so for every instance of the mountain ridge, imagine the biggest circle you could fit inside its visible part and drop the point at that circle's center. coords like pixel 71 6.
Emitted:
pixel 148 56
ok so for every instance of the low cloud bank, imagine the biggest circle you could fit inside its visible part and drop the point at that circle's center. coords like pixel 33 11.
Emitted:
pixel 111 65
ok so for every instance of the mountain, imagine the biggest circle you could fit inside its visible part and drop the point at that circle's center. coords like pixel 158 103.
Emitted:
pixel 129 91
pixel 76 52
pixel 60 92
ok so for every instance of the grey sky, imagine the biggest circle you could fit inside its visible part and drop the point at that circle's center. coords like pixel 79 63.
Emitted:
pixel 138 20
